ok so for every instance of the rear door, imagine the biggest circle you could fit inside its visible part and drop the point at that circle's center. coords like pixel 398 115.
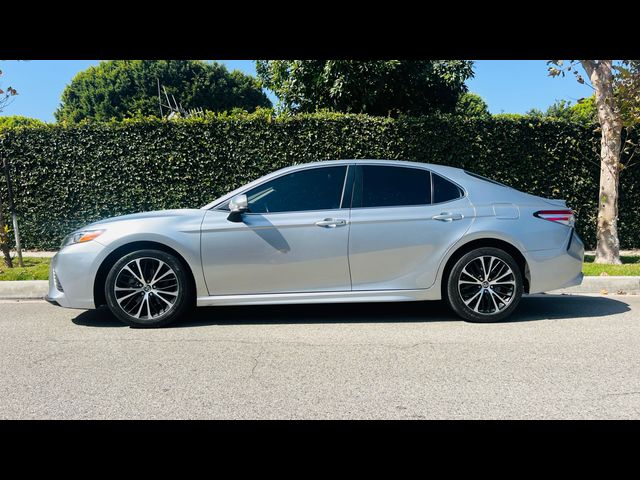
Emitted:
pixel 403 220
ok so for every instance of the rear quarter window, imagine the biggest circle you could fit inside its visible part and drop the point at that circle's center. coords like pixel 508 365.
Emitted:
pixel 445 190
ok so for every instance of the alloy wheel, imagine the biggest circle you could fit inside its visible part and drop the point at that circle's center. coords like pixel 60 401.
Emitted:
pixel 487 285
pixel 146 288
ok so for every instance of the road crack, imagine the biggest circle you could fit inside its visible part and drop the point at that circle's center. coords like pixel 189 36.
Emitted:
pixel 256 360
pixel 620 394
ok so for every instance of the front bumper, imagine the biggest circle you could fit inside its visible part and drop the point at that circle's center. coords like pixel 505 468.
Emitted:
pixel 75 267
pixel 51 300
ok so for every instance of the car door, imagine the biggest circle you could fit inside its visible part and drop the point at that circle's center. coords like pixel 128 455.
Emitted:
pixel 292 239
pixel 403 220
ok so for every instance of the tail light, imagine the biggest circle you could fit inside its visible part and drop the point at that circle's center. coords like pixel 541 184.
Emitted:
pixel 565 217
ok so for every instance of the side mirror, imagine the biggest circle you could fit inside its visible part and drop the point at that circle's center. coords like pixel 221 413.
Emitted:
pixel 237 205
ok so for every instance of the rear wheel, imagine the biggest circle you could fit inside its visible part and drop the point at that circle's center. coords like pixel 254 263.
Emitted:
pixel 148 288
pixel 485 285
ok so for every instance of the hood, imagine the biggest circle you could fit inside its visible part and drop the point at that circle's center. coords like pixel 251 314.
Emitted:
pixel 181 213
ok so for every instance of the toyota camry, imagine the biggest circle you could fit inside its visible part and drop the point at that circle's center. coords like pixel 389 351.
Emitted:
pixel 327 232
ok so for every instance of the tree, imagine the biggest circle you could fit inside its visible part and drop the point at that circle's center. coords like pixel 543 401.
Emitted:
pixel 5 99
pixel 584 111
pixel 617 99
pixel 380 87
pixel 6 96
pixel 535 112
pixel 4 239
pixel 119 89
pixel 471 105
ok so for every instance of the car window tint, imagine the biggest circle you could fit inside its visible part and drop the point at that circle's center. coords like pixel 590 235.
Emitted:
pixel 311 189
pixel 444 190
pixel 385 186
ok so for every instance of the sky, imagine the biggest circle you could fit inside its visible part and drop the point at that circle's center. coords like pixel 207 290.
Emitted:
pixel 508 86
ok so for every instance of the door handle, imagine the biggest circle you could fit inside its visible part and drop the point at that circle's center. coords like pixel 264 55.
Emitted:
pixel 448 216
pixel 331 222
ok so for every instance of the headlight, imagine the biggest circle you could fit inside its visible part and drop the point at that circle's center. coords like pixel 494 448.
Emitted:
pixel 81 237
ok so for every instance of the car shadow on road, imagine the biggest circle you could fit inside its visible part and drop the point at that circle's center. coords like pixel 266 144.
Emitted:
pixel 531 308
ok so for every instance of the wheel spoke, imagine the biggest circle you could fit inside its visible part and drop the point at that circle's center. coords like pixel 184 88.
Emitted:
pixel 483 271
pixel 493 299
pixel 140 270
pixel 467 302
pixel 505 301
pixel 464 270
pixel 175 294
pixel 122 299
pixel 479 300
pixel 501 269
pixel 509 272
pixel 155 274
pixel 134 274
pixel 163 299
pixel 161 277
pixel 491 260
pixel 137 315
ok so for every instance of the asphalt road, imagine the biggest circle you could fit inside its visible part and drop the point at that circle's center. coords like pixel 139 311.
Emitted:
pixel 558 357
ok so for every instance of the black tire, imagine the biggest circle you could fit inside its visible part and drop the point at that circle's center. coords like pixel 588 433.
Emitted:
pixel 125 308
pixel 475 298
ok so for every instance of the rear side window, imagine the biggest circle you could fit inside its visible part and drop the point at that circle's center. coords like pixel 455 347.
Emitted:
pixel 387 186
pixel 444 190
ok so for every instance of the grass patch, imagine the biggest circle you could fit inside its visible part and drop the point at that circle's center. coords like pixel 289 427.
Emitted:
pixel 34 269
pixel 630 267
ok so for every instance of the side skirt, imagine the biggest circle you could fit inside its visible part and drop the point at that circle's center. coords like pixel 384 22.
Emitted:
pixel 321 297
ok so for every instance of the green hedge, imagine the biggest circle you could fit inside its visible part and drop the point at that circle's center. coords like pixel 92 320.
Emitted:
pixel 67 176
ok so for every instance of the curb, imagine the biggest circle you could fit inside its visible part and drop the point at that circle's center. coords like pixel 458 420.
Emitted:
pixel 23 289
pixel 30 289
pixel 607 284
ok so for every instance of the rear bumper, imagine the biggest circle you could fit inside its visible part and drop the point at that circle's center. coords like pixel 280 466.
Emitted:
pixel 556 268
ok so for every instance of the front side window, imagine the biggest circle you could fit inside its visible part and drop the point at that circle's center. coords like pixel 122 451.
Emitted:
pixel 310 189
pixel 387 186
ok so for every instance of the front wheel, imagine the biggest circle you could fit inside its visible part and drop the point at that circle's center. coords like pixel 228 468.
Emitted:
pixel 147 288
pixel 485 285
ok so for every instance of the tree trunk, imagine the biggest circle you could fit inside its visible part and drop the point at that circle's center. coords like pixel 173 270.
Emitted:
pixel 4 240
pixel 608 244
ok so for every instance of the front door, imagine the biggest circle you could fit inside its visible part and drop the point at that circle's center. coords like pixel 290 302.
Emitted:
pixel 292 239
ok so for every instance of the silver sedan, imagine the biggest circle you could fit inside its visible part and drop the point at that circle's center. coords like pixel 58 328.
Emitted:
pixel 327 232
